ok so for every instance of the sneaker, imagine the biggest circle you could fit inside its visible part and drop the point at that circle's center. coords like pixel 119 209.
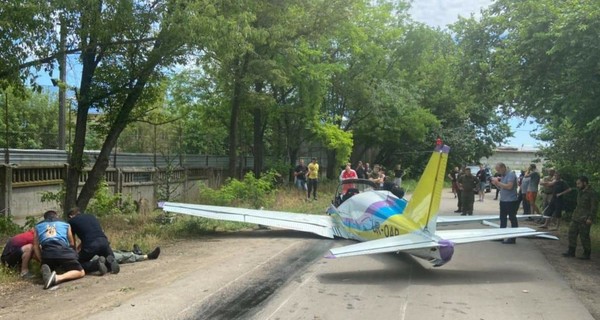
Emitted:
pixel 113 265
pixel 137 250
pixel 48 276
pixel 46 272
pixel 154 254
pixel 102 266
pixel 27 275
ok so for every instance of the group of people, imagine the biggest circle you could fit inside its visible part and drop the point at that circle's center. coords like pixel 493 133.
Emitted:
pixel 553 189
pixel 524 189
pixel 53 243
pixel 306 176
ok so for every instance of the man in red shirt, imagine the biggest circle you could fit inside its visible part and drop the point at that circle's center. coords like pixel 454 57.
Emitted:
pixel 19 250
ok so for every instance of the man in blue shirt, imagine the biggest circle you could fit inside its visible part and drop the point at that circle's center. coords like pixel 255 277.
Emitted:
pixel 53 245
pixel 509 199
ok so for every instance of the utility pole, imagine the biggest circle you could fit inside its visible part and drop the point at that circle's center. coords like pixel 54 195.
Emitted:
pixel 62 89
pixel 6 152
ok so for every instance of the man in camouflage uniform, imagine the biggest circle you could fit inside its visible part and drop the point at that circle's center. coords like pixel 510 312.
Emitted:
pixel 467 183
pixel 582 219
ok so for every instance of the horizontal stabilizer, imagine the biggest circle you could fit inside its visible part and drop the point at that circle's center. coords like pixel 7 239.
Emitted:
pixel 544 235
pixel 443 220
pixel 476 235
pixel 391 244
pixel 320 225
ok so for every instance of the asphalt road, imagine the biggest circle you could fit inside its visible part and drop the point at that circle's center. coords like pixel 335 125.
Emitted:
pixel 487 280
pixel 283 275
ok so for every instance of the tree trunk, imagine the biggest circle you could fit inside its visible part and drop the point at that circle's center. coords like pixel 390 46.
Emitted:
pixel 259 134
pixel 76 164
pixel 236 103
pixel 332 173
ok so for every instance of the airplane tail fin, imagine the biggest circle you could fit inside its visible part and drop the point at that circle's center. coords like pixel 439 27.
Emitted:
pixel 425 201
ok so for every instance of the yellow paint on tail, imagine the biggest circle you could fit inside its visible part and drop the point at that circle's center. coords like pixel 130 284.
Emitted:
pixel 425 201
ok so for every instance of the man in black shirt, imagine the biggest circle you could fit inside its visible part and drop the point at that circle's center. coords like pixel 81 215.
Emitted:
pixel 300 174
pixel 93 243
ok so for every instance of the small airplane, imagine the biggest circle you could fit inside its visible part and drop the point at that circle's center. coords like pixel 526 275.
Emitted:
pixel 383 221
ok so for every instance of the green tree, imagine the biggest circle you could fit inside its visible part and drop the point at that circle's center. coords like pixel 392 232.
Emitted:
pixel 540 59
pixel 123 48
pixel 31 119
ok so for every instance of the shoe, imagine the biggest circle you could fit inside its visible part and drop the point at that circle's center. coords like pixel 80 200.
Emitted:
pixel 48 276
pixel 470 214
pixel 27 275
pixel 543 227
pixel 315 198
pixel 137 250
pixel 463 214
pixel 154 254
pixel 457 211
pixel 568 254
pixel 46 272
pixel 495 198
pixel 509 241
pixel 113 265
pixel 102 266
pixel 584 257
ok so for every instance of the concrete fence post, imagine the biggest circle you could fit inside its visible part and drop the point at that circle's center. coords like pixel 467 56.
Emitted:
pixel 5 189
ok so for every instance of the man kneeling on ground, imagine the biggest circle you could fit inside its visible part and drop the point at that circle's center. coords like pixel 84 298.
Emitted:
pixel 93 243
pixel 54 246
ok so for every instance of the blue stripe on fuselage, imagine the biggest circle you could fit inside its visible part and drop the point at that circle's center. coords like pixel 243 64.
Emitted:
pixel 376 213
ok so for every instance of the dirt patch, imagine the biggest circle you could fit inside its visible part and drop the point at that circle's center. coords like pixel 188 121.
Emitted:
pixel 583 276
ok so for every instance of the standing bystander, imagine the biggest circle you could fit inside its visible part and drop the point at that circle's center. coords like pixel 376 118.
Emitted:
pixel 509 200
pixel 582 219
pixel 468 184
pixel 300 174
pixel 313 178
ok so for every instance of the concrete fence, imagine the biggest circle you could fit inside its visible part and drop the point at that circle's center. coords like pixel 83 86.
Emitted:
pixel 22 186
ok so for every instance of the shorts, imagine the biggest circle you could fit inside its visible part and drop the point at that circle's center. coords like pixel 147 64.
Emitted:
pixel 482 186
pixel 64 264
pixel 531 196
pixel 11 255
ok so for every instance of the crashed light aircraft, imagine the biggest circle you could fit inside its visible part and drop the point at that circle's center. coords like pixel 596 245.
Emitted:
pixel 381 221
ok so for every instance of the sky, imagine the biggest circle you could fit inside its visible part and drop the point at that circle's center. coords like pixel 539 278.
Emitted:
pixel 440 13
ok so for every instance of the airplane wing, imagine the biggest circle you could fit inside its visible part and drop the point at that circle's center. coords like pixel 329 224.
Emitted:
pixel 414 241
pixel 476 235
pixel 317 224
pixel 392 244
pixel 442 220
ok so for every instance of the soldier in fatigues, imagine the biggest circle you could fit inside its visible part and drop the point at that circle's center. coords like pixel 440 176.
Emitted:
pixel 467 183
pixel 582 219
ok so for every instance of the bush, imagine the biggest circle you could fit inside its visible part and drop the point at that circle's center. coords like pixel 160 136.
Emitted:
pixel 8 227
pixel 106 203
pixel 249 192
